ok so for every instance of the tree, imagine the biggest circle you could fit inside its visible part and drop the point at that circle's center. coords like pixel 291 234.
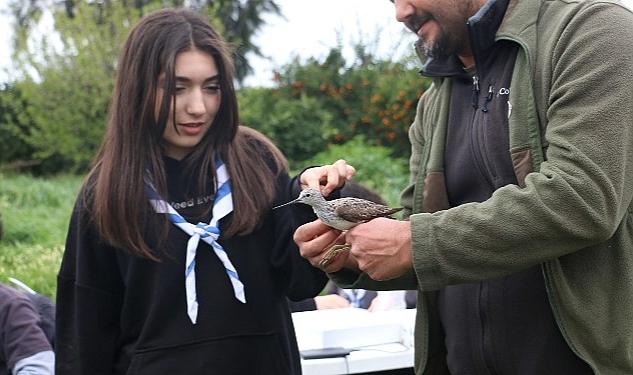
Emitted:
pixel 367 96
pixel 12 115
pixel 240 21
pixel 237 20
pixel 66 91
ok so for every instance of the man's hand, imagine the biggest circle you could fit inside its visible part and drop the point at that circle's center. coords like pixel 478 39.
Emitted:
pixel 328 177
pixel 315 238
pixel 381 247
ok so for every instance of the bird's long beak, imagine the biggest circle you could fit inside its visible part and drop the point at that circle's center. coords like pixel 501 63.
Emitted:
pixel 285 204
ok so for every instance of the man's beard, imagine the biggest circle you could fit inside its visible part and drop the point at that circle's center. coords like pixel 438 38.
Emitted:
pixel 436 48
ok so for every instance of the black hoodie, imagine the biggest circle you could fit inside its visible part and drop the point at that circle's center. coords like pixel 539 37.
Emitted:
pixel 121 314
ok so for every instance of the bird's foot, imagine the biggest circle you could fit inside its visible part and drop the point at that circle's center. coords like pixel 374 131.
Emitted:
pixel 331 254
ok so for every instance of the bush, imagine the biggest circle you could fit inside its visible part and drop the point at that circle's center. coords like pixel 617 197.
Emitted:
pixel 376 99
pixel 298 126
pixel 375 168
pixel 12 129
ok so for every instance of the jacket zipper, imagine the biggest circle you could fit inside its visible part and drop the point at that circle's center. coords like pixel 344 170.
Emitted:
pixel 474 143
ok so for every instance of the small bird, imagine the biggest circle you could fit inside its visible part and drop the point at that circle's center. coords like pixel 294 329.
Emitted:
pixel 342 214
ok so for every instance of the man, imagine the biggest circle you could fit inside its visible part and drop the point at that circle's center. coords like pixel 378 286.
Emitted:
pixel 519 235
pixel 25 333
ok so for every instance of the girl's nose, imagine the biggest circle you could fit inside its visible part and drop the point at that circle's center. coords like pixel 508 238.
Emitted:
pixel 195 104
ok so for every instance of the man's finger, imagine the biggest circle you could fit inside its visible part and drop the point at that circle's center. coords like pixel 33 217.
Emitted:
pixel 309 231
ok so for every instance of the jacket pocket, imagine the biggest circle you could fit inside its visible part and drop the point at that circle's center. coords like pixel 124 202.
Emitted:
pixel 235 355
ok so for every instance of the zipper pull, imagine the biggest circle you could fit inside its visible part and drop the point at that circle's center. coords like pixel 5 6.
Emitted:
pixel 491 94
pixel 475 96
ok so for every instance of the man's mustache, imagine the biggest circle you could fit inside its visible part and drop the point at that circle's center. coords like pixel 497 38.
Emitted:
pixel 416 21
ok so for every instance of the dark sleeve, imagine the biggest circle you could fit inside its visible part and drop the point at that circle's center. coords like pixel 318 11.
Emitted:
pixel 20 333
pixel 46 312
pixel 301 279
pixel 89 295
pixel 308 304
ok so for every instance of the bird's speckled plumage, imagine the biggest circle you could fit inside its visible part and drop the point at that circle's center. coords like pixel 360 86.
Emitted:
pixel 343 213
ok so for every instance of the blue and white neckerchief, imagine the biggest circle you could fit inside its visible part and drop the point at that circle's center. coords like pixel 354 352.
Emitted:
pixel 209 233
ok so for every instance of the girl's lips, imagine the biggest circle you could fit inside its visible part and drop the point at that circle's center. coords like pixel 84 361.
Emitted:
pixel 192 128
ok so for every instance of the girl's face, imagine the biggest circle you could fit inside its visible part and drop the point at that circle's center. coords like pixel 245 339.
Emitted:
pixel 197 102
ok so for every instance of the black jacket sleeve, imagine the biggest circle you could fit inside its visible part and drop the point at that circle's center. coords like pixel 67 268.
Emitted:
pixel 20 334
pixel 89 295
pixel 303 280
pixel 308 304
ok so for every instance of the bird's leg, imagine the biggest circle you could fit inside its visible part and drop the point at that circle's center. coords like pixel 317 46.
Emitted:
pixel 332 252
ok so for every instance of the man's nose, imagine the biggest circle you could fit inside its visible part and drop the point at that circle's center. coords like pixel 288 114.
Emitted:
pixel 404 10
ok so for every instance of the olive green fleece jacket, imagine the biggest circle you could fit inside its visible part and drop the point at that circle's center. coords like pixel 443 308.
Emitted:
pixel 571 143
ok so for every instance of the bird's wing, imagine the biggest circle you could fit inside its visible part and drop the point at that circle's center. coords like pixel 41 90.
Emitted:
pixel 358 210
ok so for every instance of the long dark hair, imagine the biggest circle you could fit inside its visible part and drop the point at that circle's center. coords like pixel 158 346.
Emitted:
pixel 131 147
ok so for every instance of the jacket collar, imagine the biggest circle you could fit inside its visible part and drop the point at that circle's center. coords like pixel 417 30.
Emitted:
pixel 482 28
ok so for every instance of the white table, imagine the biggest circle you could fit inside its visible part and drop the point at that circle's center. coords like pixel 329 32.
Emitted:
pixel 379 341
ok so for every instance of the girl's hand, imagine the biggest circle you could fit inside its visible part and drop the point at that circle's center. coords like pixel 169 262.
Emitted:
pixel 328 177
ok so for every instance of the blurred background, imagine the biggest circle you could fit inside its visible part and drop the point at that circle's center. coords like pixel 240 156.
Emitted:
pixel 323 79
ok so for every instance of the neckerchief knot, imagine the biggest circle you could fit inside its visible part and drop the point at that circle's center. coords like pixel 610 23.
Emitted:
pixel 209 233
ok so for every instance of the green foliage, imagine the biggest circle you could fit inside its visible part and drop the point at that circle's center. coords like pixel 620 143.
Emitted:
pixel 35 265
pixel 298 126
pixel 375 167
pixel 237 21
pixel 66 105
pixel 62 100
pixel 35 215
pixel 373 98
pixel 12 129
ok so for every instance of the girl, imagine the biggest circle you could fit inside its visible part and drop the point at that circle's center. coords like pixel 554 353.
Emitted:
pixel 174 261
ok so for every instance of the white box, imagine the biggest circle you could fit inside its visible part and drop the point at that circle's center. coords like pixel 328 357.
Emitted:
pixel 348 328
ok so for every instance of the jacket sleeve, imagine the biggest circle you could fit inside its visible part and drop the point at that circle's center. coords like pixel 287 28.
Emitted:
pixel 417 140
pixel 308 304
pixel 301 279
pixel 350 279
pixel 89 295
pixel 21 338
pixel 581 196
pixel 42 363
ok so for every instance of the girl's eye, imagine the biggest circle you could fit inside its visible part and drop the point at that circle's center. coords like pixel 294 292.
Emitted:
pixel 180 88
pixel 212 88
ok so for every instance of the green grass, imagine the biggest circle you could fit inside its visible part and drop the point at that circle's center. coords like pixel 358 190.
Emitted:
pixel 35 213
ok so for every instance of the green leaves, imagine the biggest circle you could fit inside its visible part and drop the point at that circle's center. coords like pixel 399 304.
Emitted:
pixel 369 97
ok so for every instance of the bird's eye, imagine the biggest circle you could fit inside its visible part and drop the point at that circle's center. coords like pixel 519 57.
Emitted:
pixel 307 195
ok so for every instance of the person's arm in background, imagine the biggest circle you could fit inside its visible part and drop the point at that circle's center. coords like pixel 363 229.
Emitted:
pixel 388 300
pixel 24 345
pixel 328 301
pixel 42 363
